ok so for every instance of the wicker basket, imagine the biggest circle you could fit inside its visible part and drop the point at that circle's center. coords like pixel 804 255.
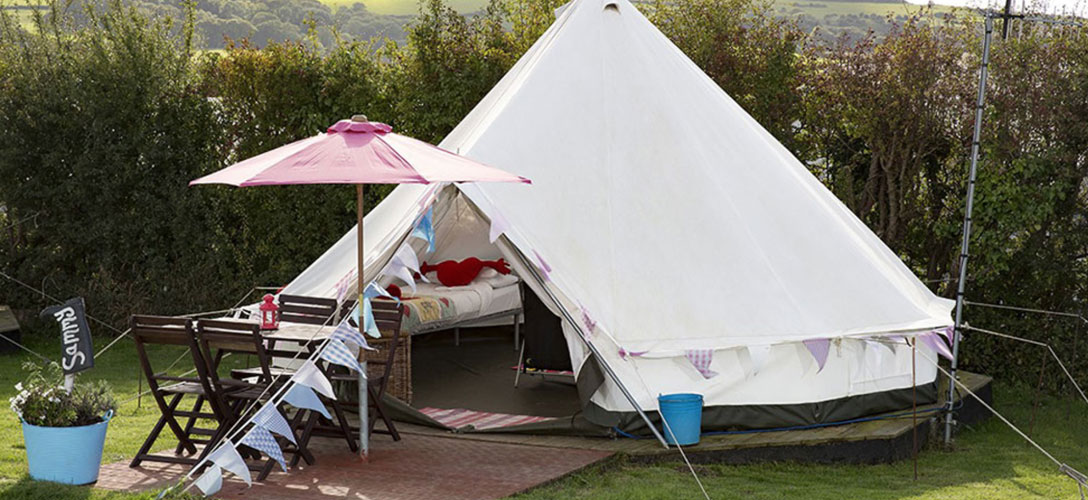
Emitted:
pixel 400 377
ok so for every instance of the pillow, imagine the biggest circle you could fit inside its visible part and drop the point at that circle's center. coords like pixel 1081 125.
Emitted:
pixel 499 281
pixel 487 272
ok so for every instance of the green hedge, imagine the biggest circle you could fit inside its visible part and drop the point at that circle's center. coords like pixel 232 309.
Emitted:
pixel 104 120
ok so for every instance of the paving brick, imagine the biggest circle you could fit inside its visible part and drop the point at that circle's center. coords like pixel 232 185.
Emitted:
pixel 416 468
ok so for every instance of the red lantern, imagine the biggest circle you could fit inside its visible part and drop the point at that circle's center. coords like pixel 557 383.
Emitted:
pixel 270 313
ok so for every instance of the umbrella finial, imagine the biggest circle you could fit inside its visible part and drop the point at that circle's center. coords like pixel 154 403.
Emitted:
pixel 359 118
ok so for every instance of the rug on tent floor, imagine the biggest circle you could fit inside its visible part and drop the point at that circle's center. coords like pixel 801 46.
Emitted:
pixel 456 418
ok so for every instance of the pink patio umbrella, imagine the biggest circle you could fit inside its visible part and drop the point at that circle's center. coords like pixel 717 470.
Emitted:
pixel 359 152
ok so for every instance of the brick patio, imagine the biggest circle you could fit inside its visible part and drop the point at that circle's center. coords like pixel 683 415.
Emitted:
pixel 417 467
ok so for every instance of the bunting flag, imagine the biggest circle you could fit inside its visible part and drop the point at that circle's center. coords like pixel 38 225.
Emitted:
pixel 374 290
pixel 425 229
pixel 588 321
pixel 370 326
pixel 542 265
pixel 398 269
pixel 701 359
pixel 343 287
pixel 210 482
pixel 819 349
pixel 934 342
pixel 498 226
pixel 336 352
pixel 949 333
pixel 227 457
pixel 758 355
pixel 270 418
pixel 407 257
pixel 301 396
pixel 346 333
pixel 263 441
pixel 310 376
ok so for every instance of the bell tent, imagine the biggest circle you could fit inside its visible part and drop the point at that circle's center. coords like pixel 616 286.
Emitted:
pixel 684 249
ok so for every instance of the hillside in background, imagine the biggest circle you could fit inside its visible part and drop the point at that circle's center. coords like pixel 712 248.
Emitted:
pixel 264 20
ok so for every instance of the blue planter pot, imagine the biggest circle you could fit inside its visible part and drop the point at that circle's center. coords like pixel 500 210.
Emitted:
pixel 69 455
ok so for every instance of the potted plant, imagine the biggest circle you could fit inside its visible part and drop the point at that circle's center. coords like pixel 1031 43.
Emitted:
pixel 64 431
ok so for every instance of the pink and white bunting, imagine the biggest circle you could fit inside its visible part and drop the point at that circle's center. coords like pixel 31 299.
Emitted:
pixel 701 359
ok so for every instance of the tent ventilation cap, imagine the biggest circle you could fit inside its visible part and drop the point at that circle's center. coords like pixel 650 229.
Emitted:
pixel 612 6
pixel 359 118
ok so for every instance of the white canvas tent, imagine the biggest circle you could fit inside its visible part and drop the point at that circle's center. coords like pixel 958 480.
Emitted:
pixel 663 219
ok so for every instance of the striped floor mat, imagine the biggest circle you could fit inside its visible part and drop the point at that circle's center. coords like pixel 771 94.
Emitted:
pixel 456 418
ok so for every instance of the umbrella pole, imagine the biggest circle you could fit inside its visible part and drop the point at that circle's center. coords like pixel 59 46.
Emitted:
pixel 364 416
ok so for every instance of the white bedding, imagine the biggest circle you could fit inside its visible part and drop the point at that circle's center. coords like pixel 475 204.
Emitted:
pixel 475 300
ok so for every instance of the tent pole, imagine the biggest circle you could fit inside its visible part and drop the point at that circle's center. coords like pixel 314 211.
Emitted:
pixel 965 245
pixel 364 417
pixel 607 368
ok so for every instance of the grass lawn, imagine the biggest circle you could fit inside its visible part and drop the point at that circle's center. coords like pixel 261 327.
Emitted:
pixel 989 462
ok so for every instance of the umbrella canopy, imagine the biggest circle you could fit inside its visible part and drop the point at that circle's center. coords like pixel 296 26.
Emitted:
pixel 356 152
pixel 359 152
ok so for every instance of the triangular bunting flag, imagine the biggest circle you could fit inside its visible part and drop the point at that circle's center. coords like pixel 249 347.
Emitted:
pixel 310 376
pixel 227 457
pixel 758 355
pixel 270 418
pixel 343 287
pixel 407 257
pixel 303 397
pixel 701 359
pixel 425 229
pixel 211 481
pixel 819 349
pixel 263 441
pixel 336 352
pixel 498 226
pixel 344 332
pixel 398 269
pixel 542 265
pixel 936 343
pixel 375 290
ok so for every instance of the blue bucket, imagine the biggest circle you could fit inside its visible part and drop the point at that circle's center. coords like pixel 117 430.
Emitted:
pixel 69 455
pixel 684 414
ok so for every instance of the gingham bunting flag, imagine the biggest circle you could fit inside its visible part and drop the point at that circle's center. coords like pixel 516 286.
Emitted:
pixel 542 265
pixel 270 418
pixel 311 376
pixel 227 457
pixel 700 359
pixel 210 481
pixel 346 333
pixel 336 352
pixel 301 396
pixel 263 441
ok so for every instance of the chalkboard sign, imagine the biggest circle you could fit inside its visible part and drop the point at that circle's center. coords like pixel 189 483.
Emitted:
pixel 76 350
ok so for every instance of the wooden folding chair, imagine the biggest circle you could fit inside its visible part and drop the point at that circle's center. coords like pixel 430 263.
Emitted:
pixel 387 315
pixel 312 310
pixel 168 391
pixel 217 338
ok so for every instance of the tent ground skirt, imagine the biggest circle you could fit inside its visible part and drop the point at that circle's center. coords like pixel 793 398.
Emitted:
pixel 875 441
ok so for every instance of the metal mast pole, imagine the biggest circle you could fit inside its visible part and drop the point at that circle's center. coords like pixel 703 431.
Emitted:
pixel 971 176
